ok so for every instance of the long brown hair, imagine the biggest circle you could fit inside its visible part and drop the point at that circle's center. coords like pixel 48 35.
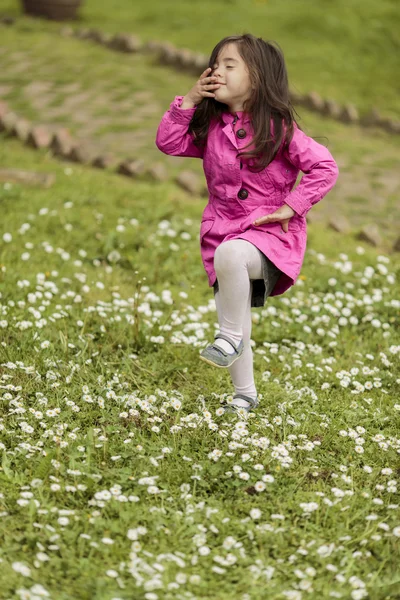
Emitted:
pixel 269 99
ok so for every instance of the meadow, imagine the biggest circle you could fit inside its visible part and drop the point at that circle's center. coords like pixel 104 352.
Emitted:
pixel 121 477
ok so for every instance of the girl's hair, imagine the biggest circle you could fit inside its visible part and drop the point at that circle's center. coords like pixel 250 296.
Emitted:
pixel 269 99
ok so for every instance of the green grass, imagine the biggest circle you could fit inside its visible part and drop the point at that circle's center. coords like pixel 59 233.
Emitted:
pixel 102 318
pixel 83 333
pixel 345 50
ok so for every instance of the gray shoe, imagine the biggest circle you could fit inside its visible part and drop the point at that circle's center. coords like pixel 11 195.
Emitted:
pixel 213 355
pixel 253 403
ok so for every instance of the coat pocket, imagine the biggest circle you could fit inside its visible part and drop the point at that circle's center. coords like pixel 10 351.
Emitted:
pixel 279 174
pixel 272 177
pixel 215 170
pixel 205 227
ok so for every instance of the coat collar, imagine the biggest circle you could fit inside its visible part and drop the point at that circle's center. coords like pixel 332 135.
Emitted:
pixel 228 117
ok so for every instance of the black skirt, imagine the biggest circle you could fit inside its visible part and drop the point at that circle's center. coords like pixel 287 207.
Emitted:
pixel 262 288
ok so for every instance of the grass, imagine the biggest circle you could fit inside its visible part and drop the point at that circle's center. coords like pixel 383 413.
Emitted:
pixel 120 477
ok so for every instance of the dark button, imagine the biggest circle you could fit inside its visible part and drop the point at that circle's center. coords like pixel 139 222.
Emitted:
pixel 241 133
pixel 243 194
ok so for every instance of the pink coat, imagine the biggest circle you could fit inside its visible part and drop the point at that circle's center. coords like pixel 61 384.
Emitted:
pixel 238 197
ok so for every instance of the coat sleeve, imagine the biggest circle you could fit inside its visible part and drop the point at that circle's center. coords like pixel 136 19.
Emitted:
pixel 172 135
pixel 319 168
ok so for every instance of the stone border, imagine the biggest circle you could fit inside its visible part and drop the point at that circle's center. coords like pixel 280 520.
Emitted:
pixel 193 63
pixel 63 146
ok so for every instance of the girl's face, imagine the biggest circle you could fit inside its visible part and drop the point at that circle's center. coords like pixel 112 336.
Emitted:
pixel 232 73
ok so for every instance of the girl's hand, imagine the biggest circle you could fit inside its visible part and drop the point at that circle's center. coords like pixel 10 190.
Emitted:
pixel 282 214
pixel 201 88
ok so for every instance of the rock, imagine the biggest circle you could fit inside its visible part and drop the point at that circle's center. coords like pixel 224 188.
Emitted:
pixel 39 137
pixel 104 161
pixel 167 46
pixel 4 109
pixel 80 154
pixel 339 223
pixel 44 179
pixel 184 58
pixel 105 39
pixel 169 57
pixel 157 172
pixel 115 42
pixel 189 181
pixel 152 46
pixel 314 102
pixel 8 121
pixel 349 114
pixel 132 44
pixel 200 62
pixel 124 42
pixel 100 36
pixel 93 34
pixel 61 143
pixel 168 54
pixel 370 233
pixel 21 129
pixel 396 245
pixel 370 119
pixel 132 168
pixel 390 125
pixel 331 109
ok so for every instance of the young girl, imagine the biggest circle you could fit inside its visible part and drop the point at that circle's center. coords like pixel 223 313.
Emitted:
pixel 238 118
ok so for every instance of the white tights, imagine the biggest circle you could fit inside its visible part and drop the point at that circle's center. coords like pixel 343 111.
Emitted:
pixel 236 263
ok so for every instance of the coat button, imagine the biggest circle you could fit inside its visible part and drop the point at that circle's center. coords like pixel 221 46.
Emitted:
pixel 241 133
pixel 243 194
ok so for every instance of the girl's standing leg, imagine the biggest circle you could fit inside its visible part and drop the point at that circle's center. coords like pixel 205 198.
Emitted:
pixel 242 372
pixel 236 262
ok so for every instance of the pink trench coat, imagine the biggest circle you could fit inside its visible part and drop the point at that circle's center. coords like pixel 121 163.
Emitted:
pixel 238 197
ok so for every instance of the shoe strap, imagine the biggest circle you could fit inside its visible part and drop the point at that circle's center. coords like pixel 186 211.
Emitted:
pixel 252 401
pixel 215 347
pixel 227 339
